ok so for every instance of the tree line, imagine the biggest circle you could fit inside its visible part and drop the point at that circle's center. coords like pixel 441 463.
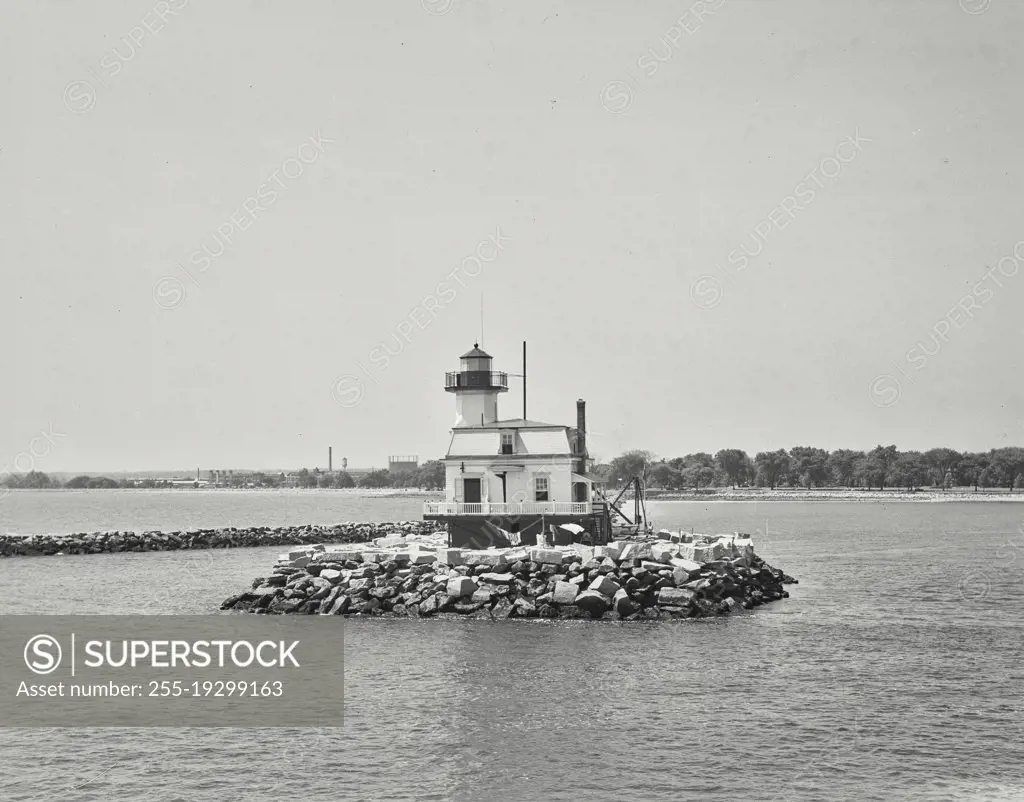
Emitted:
pixel 429 476
pixel 808 467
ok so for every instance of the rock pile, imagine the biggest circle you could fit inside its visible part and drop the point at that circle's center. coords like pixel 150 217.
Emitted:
pixel 626 579
pixel 227 538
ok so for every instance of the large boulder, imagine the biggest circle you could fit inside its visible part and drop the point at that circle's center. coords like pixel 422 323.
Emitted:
pixel 461 586
pixel 605 585
pixel 593 603
pixel 623 605
pixel 565 593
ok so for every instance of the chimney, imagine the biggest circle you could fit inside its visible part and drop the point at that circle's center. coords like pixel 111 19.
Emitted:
pixel 330 461
pixel 581 435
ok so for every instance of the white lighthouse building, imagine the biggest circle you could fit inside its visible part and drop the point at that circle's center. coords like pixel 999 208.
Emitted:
pixel 509 479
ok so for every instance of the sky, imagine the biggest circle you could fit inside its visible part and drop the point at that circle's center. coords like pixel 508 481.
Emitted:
pixel 734 223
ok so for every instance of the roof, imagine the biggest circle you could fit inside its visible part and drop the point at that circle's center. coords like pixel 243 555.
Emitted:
pixel 476 353
pixel 523 423
pixel 473 443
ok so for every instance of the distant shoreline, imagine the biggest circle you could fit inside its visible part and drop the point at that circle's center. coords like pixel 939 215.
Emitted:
pixel 825 494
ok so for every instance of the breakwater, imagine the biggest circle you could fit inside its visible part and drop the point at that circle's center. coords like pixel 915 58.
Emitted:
pixel 680 576
pixel 219 538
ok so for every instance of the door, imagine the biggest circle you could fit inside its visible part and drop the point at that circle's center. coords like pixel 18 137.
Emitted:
pixel 471 491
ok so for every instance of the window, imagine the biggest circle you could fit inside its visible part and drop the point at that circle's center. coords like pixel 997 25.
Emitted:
pixel 540 488
pixel 506 443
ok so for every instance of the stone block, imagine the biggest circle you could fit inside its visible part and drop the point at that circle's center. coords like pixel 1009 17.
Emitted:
pixel 564 593
pixel 422 557
pixel 585 553
pixel 686 550
pixel 614 549
pixel 331 575
pixel 518 555
pixel 482 596
pixel 605 585
pixel 294 554
pixel 651 565
pixel 593 603
pixel 460 587
pixel 689 566
pixel 389 541
pixel 497 579
pixel 546 556
pixel 663 552
pixel 491 558
pixel 675 597
pixel 703 554
pixel 623 605
pixel 451 556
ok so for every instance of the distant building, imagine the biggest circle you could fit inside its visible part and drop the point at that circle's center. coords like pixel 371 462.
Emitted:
pixel 403 464
pixel 513 475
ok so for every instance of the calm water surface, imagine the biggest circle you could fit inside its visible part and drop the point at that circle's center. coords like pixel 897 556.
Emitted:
pixel 893 672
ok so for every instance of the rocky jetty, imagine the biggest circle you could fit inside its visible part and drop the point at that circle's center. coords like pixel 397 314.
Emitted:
pixel 676 576
pixel 227 538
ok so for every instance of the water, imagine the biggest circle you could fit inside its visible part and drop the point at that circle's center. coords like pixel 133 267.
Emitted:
pixel 893 672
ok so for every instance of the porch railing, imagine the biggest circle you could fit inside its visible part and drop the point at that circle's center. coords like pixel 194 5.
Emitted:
pixel 508 508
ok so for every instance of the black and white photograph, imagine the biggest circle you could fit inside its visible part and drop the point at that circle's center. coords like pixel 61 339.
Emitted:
pixel 542 401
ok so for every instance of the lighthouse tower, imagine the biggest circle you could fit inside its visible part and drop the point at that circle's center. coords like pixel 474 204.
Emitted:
pixel 476 389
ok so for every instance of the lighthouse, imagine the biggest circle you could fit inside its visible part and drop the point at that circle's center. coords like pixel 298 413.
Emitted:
pixel 506 480
pixel 476 387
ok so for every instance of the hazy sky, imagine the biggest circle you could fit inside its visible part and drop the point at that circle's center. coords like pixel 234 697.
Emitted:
pixel 866 153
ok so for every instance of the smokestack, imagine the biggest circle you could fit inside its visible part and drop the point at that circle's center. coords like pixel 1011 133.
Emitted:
pixel 330 461
pixel 524 379
pixel 581 434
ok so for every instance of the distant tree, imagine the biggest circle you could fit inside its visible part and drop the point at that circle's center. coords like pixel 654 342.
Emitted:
pixel 910 470
pixel 102 483
pixel 343 479
pixel 941 461
pixel 970 468
pixel 1007 466
pixel 666 476
pixel 33 480
pixel 869 471
pixel 430 475
pixel 698 476
pixel 78 482
pixel 772 466
pixel 842 465
pixel 325 480
pixel 306 479
pixel 810 465
pixel 885 456
pixel 632 463
pixel 378 478
pixel 735 464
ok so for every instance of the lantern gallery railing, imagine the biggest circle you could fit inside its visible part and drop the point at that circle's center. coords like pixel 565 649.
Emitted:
pixel 511 508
